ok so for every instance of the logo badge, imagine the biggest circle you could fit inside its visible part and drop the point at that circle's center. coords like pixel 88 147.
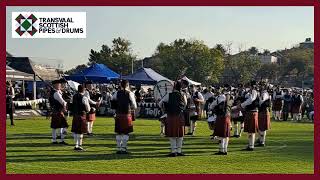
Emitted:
pixel 26 24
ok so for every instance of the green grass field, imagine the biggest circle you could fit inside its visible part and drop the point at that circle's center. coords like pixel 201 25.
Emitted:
pixel 29 151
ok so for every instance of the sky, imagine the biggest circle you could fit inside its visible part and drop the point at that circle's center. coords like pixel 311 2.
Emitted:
pixel 270 28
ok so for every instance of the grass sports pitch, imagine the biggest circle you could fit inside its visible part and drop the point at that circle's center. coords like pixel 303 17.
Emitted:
pixel 289 149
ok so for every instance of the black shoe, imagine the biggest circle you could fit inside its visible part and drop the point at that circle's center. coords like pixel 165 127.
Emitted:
pixel 248 149
pixel 236 136
pixel 225 153
pixel 119 152
pixel 124 152
pixel 172 155
pixel 219 153
pixel 78 149
pixel 55 142
pixel 189 134
pixel 260 145
pixel 180 154
pixel 64 143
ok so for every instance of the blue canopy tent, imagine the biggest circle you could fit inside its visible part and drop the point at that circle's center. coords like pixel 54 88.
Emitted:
pixel 145 76
pixel 98 73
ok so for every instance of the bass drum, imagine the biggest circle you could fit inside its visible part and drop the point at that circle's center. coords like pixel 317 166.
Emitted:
pixel 162 88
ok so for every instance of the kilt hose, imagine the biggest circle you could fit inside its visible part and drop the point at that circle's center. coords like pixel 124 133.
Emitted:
pixel 79 124
pixel 277 105
pixel 174 125
pixel 251 122
pixel 58 120
pixel 222 126
pixel 123 124
pixel 264 120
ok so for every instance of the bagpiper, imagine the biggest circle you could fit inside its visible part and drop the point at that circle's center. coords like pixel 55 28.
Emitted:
pixel 222 108
pixel 175 118
pixel 277 103
pixel 9 101
pixel 250 106
pixel 263 115
pixel 297 101
pixel 196 101
pixel 91 116
pixel 123 101
pixel 81 107
pixel 59 107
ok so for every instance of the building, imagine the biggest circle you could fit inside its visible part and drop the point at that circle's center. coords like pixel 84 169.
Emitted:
pixel 307 43
pixel 268 59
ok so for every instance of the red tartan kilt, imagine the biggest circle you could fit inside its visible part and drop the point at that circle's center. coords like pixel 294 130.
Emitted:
pixel 264 120
pixel 91 117
pixel 222 126
pixel 123 124
pixel 58 120
pixel 277 105
pixel 251 122
pixel 79 124
pixel 295 109
pixel 174 126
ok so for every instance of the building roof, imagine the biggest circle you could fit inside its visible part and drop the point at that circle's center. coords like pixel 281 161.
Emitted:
pixel 26 65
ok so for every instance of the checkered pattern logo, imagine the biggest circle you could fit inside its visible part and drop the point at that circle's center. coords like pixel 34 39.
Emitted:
pixel 26 24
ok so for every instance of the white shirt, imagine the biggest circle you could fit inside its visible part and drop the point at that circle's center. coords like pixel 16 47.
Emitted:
pixel 220 98
pixel 131 97
pixel 87 95
pixel 251 97
pixel 207 95
pixel 199 96
pixel 275 96
pixel 166 99
pixel 264 96
pixel 85 101
pixel 58 96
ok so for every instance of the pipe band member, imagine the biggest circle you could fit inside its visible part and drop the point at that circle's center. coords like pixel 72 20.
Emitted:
pixel 59 107
pixel 124 101
pixel 81 108
pixel 277 103
pixel 9 101
pixel 91 116
pixel 196 111
pixel 263 115
pixel 222 108
pixel 174 125
pixel 250 105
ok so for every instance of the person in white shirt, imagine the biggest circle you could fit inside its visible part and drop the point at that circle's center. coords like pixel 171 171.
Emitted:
pixel 81 107
pixel 277 103
pixel 250 105
pixel 176 104
pixel 196 101
pixel 263 115
pixel 9 101
pixel 91 116
pixel 222 108
pixel 59 107
pixel 125 102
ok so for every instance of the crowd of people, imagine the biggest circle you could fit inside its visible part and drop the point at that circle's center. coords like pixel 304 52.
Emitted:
pixel 245 108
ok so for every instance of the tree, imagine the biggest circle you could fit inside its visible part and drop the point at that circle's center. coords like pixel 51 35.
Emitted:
pixel 268 71
pixel 191 58
pixel 119 57
pixel 221 48
pixel 253 50
pixel 266 52
pixel 76 69
pixel 242 67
